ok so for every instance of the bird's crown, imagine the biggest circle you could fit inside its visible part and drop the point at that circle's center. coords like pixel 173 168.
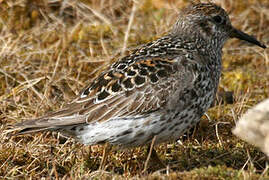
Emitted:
pixel 203 20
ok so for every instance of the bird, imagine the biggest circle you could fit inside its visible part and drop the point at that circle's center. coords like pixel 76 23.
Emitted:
pixel 158 91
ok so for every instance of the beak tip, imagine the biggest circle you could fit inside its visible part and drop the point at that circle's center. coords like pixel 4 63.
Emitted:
pixel 263 46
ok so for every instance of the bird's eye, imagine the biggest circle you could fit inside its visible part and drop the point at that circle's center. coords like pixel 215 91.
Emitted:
pixel 218 19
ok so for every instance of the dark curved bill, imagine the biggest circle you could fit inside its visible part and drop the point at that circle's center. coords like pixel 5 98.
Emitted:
pixel 243 36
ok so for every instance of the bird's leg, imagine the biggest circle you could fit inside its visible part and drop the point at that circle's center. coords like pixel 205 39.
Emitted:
pixel 153 157
pixel 106 150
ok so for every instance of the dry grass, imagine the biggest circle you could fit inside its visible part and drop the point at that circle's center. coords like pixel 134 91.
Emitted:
pixel 49 50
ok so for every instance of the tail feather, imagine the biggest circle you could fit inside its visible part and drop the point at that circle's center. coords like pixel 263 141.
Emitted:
pixel 33 130
pixel 52 122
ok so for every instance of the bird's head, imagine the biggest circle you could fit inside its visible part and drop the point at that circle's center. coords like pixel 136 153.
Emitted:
pixel 211 23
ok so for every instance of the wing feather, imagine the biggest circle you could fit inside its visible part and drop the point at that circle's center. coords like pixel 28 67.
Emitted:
pixel 126 89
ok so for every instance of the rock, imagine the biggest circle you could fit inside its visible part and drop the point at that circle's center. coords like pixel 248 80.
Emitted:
pixel 253 126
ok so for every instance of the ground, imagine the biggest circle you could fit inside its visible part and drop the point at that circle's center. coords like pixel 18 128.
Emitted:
pixel 51 49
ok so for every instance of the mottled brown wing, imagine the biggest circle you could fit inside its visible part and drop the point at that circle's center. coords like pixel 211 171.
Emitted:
pixel 122 91
pixel 129 90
